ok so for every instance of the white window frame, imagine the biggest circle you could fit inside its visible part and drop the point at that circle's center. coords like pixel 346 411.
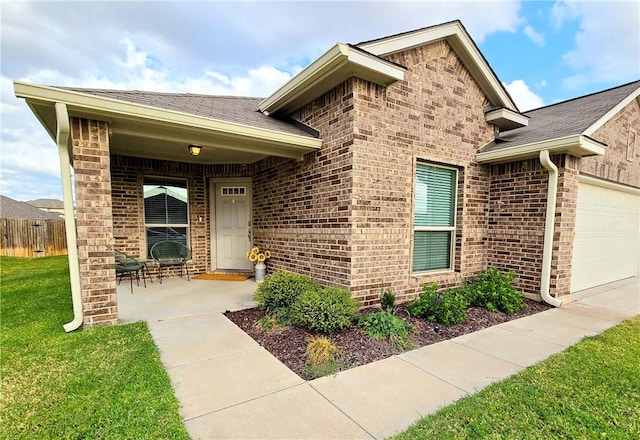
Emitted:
pixel 187 225
pixel 450 229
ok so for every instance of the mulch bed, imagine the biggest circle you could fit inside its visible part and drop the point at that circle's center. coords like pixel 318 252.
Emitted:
pixel 289 344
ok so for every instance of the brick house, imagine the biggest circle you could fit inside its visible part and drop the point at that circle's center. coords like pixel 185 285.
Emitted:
pixel 390 163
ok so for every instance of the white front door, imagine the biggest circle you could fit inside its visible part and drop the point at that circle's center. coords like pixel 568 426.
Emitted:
pixel 233 224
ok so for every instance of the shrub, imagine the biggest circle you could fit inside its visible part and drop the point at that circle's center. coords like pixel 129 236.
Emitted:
pixel 320 350
pixel 281 289
pixel 445 308
pixel 327 311
pixel 279 317
pixel 494 291
pixel 387 300
pixel 385 325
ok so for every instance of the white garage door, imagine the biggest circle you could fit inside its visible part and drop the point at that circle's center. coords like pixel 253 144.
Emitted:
pixel 607 235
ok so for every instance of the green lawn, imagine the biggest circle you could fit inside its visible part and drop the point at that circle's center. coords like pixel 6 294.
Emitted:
pixel 101 383
pixel 590 391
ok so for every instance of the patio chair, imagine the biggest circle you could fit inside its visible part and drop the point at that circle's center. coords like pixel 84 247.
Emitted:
pixel 171 253
pixel 126 265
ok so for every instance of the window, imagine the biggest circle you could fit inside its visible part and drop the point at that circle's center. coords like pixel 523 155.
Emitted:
pixel 166 210
pixel 434 218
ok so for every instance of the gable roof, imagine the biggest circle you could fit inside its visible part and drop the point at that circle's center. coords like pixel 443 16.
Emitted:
pixel 563 123
pixel 10 208
pixel 46 203
pixel 366 60
pixel 463 45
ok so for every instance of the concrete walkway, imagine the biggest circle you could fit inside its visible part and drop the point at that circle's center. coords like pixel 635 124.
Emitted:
pixel 230 387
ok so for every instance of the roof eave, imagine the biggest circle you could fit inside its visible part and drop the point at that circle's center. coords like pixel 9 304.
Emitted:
pixel 338 64
pixel 460 41
pixel 40 97
pixel 576 145
pixel 506 119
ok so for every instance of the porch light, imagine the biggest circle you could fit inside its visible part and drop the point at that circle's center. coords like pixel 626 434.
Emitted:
pixel 195 150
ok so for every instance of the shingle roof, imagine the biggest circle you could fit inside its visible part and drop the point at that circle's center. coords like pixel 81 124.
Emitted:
pixel 10 208
pixel 236 109
pixel 566 118
pixel 46 203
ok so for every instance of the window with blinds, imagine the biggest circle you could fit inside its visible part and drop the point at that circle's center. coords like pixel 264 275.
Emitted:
pixel 166 210
pixel 434 217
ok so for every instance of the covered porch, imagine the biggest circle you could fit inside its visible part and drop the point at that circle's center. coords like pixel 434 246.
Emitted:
pixel 178 298
pixel 159 166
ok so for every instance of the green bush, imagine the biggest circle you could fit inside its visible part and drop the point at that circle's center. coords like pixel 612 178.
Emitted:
pixel 329 310
pixel 387 300
pixel 276 318
pixel 445 308
pixel 385 325
pixel 281 289
pixel 494 291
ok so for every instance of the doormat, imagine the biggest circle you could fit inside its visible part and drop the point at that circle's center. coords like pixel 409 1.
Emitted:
pixel 222 276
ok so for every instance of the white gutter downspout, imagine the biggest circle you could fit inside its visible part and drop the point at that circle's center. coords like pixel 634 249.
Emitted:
pixel 547 251
pixel 62 139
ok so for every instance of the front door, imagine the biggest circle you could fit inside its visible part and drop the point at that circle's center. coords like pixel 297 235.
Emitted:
pixel 233 225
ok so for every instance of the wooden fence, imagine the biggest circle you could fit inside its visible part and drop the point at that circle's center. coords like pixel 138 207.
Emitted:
pixel 32 237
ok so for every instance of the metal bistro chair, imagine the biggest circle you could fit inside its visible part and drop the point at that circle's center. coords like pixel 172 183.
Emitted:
pixel 126 265
pixel 171 253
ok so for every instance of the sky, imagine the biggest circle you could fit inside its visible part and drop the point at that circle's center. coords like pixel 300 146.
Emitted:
pixel 542 51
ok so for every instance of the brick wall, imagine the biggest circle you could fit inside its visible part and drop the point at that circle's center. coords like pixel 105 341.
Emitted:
pixel 127 175
pixel 302 210
pixel 435 115
pixel 621 162
pixel 517 211
pixel 90 147
pixel 517 207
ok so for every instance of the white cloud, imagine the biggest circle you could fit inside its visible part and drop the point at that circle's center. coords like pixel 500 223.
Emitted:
pixel 534 36
pixel 607 44
pixel 523 96
pixel 226 48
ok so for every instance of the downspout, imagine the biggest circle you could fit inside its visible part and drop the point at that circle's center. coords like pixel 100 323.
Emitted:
pixel 552 190
pixel 62 139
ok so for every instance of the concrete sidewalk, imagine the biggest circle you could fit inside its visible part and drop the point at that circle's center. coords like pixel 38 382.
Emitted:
pixel 230 387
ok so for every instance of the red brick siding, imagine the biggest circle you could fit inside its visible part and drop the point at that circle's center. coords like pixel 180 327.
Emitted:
pixel 90 147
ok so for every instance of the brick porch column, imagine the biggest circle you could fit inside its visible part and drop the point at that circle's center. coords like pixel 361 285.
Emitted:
pixel 94 221
pixel 565 221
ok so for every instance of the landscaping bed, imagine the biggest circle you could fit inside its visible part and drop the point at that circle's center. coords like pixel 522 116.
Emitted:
pixel 289 343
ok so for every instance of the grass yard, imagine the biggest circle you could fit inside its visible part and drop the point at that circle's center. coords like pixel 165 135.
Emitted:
pixel 591 390
pixel 101 383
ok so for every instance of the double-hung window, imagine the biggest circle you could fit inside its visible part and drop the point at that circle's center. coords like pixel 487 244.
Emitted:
pixel 166 209
pixel 434 218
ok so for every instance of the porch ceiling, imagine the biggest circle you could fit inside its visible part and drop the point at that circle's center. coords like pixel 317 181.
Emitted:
pixel 150 132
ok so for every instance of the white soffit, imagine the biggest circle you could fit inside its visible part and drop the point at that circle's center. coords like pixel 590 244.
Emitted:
pixel 506 119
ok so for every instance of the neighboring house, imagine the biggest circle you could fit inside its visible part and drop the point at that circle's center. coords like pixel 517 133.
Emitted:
pixel 390 163
pixel 49 205
pixel 14 209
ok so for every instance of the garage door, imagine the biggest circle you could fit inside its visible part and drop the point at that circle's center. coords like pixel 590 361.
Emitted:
pixel 607 236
